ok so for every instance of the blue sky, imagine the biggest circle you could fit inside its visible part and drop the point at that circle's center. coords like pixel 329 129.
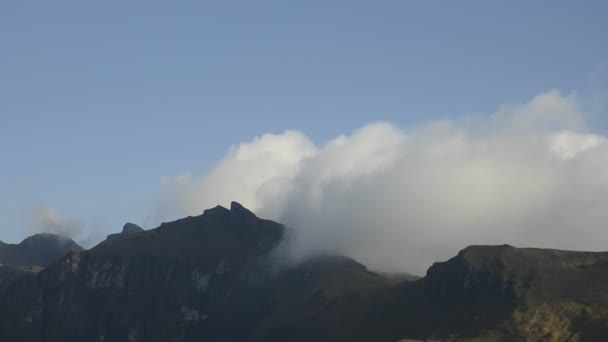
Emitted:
pixel 99 100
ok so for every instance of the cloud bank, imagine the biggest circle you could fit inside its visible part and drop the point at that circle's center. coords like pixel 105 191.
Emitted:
pixel 398 199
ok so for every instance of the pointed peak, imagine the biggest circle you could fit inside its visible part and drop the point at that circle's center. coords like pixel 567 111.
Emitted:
pixel 130 228
pixel 236 206
pixel 236 209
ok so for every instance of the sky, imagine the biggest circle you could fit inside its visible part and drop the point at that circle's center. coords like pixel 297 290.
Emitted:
pixel 102 102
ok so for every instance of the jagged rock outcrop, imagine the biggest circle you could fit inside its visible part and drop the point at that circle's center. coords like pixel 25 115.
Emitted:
pixel 128 229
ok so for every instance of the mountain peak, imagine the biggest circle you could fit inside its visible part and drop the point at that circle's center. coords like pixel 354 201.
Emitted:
pixel 130 228
pixel 217 211
pixel 239 212
pixel 236 206
pixel 237 233
pixel 47 239
pixel 37 250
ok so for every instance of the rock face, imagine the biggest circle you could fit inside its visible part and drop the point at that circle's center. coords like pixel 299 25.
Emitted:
pixel 215 277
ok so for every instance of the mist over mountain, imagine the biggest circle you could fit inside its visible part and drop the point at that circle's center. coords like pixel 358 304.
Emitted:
pixel 37 250
pixel 32 255
pixel 400 198
pixel 224 276
pixel 48 221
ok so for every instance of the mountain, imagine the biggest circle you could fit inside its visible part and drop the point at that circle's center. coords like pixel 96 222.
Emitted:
pixel 32 255
pixel 220 277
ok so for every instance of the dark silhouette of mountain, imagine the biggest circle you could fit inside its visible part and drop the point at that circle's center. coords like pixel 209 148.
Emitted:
pixel 220 277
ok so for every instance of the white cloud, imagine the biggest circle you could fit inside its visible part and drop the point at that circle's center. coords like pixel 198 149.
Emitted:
pixel 399 199
pixel 252 173
pixel 568 144
pixel 547 111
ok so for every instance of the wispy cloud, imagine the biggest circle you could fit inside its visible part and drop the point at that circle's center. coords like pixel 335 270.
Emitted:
pixel 44 219
pixel 48 220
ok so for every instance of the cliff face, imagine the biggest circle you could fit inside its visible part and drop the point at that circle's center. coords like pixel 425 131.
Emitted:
pixel 215 277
